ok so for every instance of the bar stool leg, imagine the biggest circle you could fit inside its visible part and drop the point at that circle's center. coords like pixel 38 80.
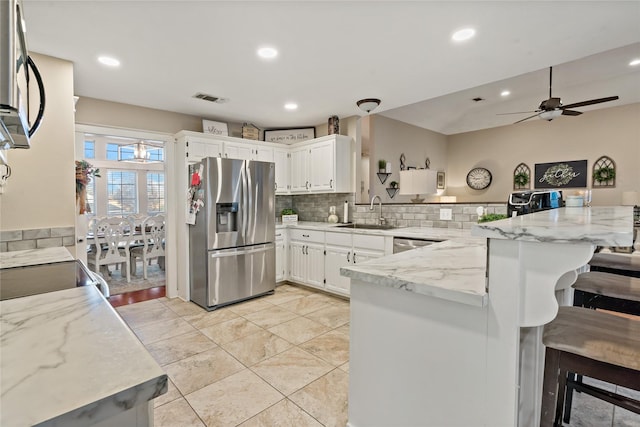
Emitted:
pixel 550 387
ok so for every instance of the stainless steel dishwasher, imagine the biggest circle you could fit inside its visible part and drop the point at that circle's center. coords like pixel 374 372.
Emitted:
pixel 402 244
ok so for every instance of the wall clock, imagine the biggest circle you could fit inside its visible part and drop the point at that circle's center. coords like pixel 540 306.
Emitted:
pixel 479 178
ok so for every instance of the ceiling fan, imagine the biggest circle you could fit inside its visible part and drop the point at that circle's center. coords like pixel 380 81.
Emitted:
pixel 551 108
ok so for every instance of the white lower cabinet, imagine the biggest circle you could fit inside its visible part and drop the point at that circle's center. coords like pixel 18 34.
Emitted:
pixel 306 257
pixel 282 256
pixel 345 249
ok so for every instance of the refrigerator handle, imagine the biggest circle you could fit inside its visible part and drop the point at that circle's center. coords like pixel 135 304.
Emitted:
pixel 245 202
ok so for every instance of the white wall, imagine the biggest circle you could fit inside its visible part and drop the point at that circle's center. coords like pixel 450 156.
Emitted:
pixel 41 190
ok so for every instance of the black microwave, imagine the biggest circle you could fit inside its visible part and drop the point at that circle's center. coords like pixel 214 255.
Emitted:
pixel 525 202
pixel 16 72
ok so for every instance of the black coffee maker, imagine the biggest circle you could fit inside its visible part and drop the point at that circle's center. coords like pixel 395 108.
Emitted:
pixel 525 202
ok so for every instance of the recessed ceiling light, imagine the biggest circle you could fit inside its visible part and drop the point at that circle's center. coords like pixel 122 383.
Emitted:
pixel 505 93
pixel 290 106
pixel 464 34
pixel 635 62
pixel 267 52
pixel 109 61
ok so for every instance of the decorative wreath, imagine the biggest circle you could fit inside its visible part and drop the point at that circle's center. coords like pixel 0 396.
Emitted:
pixel 604 174
pixel 521 179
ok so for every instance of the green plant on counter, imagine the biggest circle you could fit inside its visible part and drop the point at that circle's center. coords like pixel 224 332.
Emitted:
pixel 521 179
pixel 604 174
pixel 491 217
pixel 382 165
pixel 288 211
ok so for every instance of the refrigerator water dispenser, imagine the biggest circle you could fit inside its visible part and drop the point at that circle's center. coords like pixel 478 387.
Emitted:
pixel 226 217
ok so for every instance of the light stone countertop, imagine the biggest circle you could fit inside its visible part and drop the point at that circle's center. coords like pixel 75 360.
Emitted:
pixel 599 226
pixel 34 257
pixel 410 232
pixel 453 270
pixel 69 359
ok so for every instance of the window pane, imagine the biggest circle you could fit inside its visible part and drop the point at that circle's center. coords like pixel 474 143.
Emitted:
pixel 122 193
pixel 89 150
pixel 91 197
pixel 112 151
pixel 155 192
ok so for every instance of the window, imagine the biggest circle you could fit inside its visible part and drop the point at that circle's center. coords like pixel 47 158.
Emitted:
pixel 91 197
pixel 155 192
pixel 89 150
pixel 122 193
pixel 112 151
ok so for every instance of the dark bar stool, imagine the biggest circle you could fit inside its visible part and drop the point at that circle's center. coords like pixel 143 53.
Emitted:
pixel 591 343
pixel 627 265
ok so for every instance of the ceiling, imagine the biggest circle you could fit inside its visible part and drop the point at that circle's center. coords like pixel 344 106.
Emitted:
pixel 333 53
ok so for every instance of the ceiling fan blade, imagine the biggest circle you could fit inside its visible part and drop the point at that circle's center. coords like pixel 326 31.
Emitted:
pixel 590 102
pixel 530 117
pixel 518 112
pixel 571 113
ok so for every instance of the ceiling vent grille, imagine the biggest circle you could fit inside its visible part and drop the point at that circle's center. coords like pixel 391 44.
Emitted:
pixel 211 98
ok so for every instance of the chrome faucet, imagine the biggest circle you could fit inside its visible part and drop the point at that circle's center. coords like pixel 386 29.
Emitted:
pixel 373 200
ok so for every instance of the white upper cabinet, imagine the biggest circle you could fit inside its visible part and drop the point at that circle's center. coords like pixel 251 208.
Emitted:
pixel 321 165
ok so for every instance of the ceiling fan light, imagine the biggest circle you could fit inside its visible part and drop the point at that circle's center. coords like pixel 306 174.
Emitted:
pixel 550 115
pixel 368 104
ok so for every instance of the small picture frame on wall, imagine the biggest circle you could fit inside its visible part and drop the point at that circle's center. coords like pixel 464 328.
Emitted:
pixel 440 181
pixel 215 128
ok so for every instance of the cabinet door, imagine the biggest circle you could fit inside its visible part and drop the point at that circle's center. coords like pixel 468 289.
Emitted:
pixel 282 254
pixel 282 160
pixel 322 166
pixel 198 150
pixel 362 255
pixel 299 170
pixel 264 154
pixel 337 257
pixel 297 261
pixel 238 151
pixel 315 265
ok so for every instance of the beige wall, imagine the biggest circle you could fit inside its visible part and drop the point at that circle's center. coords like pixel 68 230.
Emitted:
pixel 388 138
pixel 614 132
pixel 41 190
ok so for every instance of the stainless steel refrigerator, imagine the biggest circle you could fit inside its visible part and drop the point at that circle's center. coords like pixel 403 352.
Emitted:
pixel 232 243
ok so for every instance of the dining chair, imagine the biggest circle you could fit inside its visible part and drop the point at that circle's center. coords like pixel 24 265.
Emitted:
pixel 113 237
pixel 152 242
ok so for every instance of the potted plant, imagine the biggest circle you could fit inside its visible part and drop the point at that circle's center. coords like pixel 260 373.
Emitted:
pixel 84 174
pixel 382 166
pixel 393 184
pixel 604 174
pixel 521 179
pixel 491 217
pixel 289 215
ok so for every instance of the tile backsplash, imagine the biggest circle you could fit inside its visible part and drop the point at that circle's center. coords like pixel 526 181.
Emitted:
pixel 315 207
pixel 17 240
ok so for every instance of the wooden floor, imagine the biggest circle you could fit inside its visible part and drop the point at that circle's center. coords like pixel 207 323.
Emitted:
pixel 137 296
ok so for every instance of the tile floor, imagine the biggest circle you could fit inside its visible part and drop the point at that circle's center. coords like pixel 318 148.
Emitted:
pixel 280 360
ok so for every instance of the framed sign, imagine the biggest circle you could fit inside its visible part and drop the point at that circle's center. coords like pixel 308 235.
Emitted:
pixel 215 128
pixel 440 181
pixel 289 136
pixel 571 174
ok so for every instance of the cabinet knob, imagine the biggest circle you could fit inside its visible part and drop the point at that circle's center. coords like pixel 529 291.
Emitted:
pixel 330 183
pixel 354 257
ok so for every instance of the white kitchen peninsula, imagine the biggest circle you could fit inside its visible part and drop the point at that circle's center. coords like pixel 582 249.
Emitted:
pixel 449 334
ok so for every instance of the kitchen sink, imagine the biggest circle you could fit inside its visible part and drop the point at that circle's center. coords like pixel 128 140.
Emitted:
pixel 367 226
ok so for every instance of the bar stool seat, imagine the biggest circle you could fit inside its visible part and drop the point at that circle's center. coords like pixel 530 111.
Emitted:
pixel 611 285
pixel 591 343
pixel 628 265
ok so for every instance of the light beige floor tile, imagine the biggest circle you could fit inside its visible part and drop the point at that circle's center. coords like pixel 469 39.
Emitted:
pixel 291 370
pixel 184 308
pixel 304 305
pixel 179 347
pixel 256 347
pixel 250 306
pixel 176 413
pixel 233 400
pixel 344 329
pixel 344 367
pixel 172 394
pixel 139 318
pixel 231 330
pixel 197 371
pixel 210 318
pixel 326 398
pixel 325 298
pixel 270 317
pixel 332 347
pixel 294 289
pixel 299 330
pixel 283 414
pixel 282 297
pixel 332 316
pixel 164 329
pixel 139 306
